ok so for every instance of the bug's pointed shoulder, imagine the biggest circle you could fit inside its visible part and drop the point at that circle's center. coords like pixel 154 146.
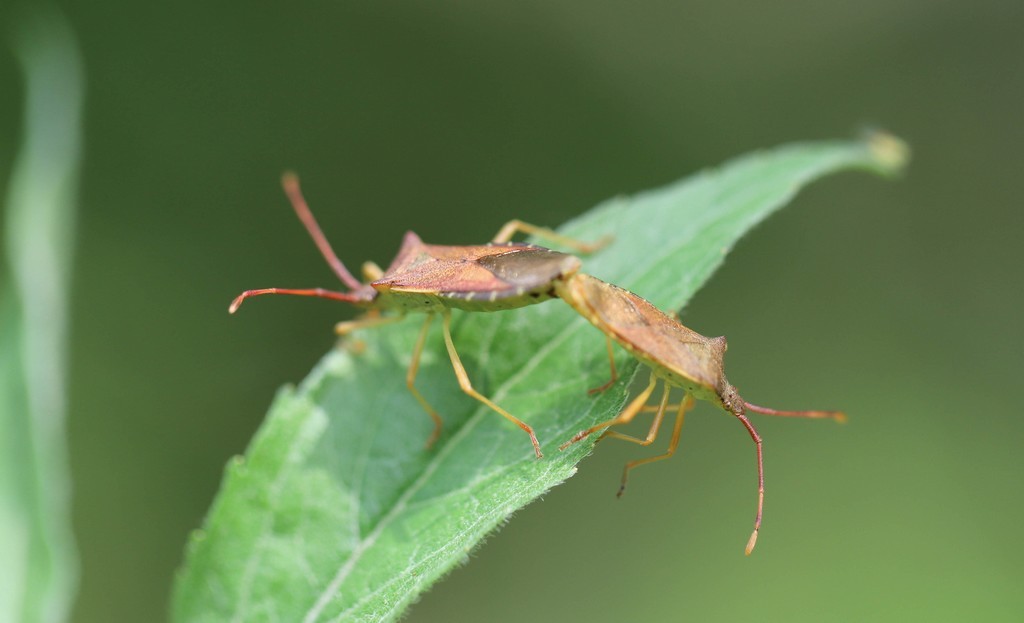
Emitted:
pixel 411 248
pixel 410 240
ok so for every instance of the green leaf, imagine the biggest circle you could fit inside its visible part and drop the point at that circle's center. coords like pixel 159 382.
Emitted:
pixel 337 513
pixel 38 571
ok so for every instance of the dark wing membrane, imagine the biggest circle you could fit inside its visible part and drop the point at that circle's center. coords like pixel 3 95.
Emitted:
pixel 498 271
pixel 530 268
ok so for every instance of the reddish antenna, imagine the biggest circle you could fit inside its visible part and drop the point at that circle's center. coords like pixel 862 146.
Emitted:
pixel 290 182
pixel 689 359
pixel 838 416
pixel 317 292
pixel 487 277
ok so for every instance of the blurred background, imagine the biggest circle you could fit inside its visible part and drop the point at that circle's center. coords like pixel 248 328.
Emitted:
pixel 898 302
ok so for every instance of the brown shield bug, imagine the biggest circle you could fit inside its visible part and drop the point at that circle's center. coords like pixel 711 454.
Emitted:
pixel 434 279
pixel 676 355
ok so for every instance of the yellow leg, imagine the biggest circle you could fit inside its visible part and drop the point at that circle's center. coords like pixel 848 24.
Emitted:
pixel 626 416
pixel 467 387
pixel 372 319
pixel 410 379
pixel 511 228
pixel 372 272
pixel 615 373
pixel 652 434
pixel 684 406
pixel 652 408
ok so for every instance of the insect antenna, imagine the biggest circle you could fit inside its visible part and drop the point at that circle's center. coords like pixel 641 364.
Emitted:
pixel 317 292
pixel 290 182
pixel 838 416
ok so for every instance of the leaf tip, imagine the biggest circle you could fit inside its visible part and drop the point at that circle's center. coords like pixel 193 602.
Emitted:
pixel 889 151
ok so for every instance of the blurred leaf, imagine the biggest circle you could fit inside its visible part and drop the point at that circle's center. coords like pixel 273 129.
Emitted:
pixel 39 568
pixel 337 513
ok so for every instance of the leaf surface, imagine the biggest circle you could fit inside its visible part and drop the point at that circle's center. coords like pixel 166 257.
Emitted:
pixel 337 513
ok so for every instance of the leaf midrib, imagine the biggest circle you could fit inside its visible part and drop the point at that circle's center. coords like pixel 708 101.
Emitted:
pixel 431 467
pixel 539 356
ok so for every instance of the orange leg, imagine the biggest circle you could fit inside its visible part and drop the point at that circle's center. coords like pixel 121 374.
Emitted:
pixel 511 228
pixel 626 416
pixel 615 373
pixel 684 406
pixel 410 379
pixel 467 387
pixel 370 320
pixel 652 434
pixel 373 319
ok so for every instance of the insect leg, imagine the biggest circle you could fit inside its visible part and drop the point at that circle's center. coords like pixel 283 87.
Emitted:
pixel 684 406
pixel 368 321
pixel 652 434
pixel 467 386
pixel 410 378
pixel 513 227
pixel 659 410
pixel 622 418
pixel 615 373
pixel 760 482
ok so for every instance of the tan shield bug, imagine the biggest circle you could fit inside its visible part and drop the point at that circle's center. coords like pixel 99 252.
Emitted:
pixel 434 279
pixel 676 355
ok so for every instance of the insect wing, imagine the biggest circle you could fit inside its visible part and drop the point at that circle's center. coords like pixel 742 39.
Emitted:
pixel 653 336
pixel 485 271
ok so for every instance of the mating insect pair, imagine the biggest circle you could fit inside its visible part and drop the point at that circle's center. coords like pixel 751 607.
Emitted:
pixel 434 279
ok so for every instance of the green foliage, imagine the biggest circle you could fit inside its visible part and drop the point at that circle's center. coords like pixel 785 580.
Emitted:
pixel 337 513
pixel 38 569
